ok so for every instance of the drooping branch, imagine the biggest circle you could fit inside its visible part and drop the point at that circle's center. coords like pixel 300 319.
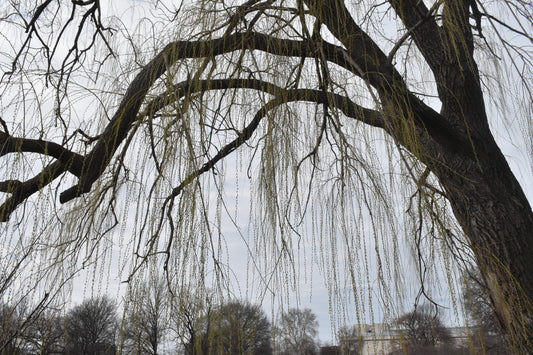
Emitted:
pixel 95 162
pixel 282 96
pixel 70 161
pixel 98 159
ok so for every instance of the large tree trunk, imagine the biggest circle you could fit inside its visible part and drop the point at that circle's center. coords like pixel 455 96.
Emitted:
pixel 490 206
pixel 485 196
pixel 457 146
pixel 497 219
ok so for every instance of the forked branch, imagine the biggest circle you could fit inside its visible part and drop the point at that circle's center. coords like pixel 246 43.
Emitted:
pixel 90 167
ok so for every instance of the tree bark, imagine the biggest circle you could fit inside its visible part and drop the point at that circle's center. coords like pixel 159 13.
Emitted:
pixel 487 201
pixel 496 217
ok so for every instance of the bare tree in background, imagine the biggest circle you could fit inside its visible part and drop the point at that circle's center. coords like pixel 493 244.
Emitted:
pixel 228 81
pixel 45 334
pixel 91 327
pixel 191 316
pixel 423 331
pixel 240 327
pixel 205 327
pixel 11 321
pixel 297 332
pixel 147 323
pixel 487 337
pixel 349 340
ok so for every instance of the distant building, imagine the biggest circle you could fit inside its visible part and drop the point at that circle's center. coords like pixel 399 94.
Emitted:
pixel 368 339
pixel 380 338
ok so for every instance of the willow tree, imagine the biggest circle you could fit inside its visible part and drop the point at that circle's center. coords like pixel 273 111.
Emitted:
pixel 303 86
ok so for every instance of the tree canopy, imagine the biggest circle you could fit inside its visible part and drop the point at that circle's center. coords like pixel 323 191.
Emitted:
pixel 423 330
pixel 91 327
pixel 297 333
pixel 347 119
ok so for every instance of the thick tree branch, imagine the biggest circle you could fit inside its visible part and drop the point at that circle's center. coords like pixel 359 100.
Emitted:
pixel 73 162
pixel 95 162
pixel 20 191
pixel 419 21
pixel 366 59
pixel 98 159
pixel 334 101
pixel 370 60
